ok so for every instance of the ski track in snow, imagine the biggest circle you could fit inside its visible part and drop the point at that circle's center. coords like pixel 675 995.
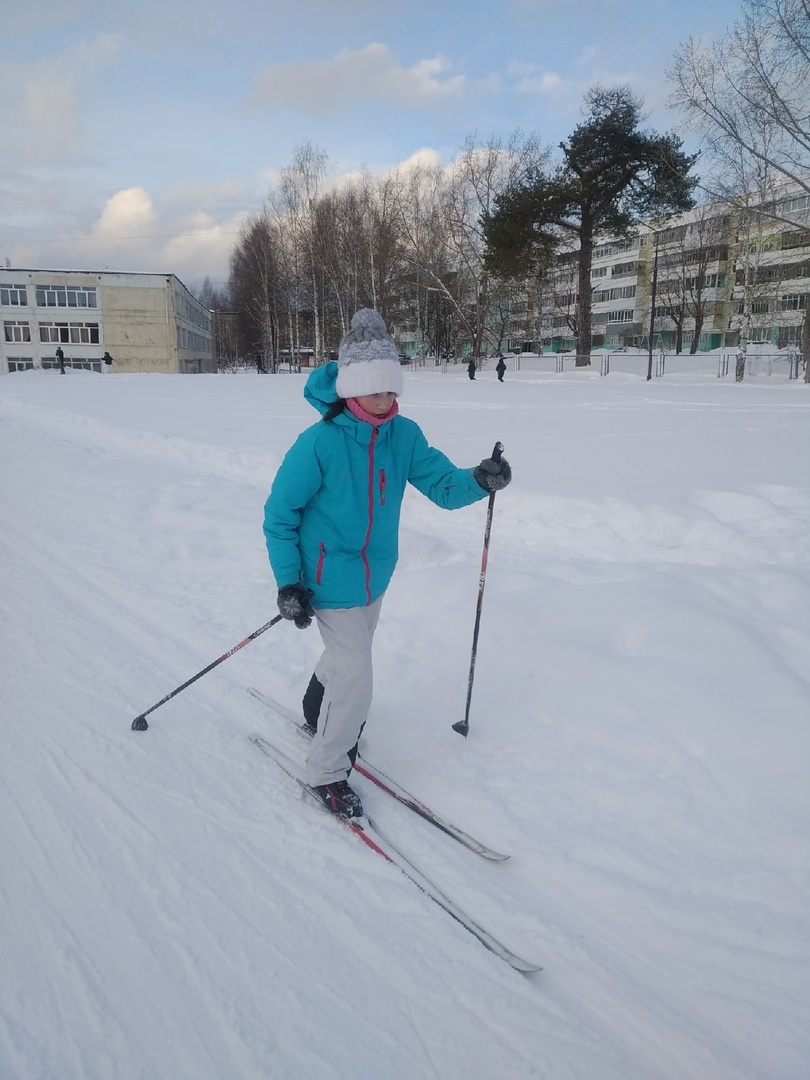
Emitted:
pixel 166 889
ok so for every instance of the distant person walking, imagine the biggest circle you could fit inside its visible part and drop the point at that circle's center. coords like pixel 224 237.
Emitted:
pixel 471 368
pixel 107 359
pixel 500 367
pixel 60 356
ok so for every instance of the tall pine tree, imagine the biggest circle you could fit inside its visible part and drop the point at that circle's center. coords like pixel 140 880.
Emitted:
pixel 613 176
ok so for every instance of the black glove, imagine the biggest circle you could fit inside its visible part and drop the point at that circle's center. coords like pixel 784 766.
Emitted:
pixel 493 475
pixel 294 603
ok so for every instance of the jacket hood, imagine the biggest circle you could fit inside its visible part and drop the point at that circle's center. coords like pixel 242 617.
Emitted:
pixel 319 389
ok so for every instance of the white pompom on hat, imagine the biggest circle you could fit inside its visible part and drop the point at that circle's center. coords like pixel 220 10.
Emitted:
pixel 368 361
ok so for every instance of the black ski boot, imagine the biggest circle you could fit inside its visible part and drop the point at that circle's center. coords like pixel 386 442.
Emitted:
pixel 340 799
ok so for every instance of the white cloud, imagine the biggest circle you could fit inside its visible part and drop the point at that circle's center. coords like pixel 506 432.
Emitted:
pixel 519 68
pixel 173 233
pixel 208 197
pixel 589 55
pixel 43 101
pixel 367 76
pixel 201 242
pixel 426 157
pixel 547 82
pixel 51 121
pixel 129 212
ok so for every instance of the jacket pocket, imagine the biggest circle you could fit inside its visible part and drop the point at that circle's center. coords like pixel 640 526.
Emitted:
pixel 382 481
pixel 321 557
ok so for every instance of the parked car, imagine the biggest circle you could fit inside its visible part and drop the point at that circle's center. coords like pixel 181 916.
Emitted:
pixel 403 359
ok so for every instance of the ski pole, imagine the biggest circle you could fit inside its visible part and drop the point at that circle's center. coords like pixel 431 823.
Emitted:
pixel 140 724
pixel 463 726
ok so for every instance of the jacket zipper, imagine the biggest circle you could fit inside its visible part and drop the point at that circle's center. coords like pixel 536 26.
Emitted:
pixel 364 549
pixel 319 569
pixel 382 487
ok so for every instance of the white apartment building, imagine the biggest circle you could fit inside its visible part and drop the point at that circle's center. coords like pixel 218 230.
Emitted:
pixel 725 275
pixel 771 286
pixel 144 322
pixel 691 280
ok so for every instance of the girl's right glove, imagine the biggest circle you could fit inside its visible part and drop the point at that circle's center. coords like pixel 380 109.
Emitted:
pixel 294 604
pixel 493 475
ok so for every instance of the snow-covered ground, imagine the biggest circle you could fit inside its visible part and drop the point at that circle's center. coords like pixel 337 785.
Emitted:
pixel 174 909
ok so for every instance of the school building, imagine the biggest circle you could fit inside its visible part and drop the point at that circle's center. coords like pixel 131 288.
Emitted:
pixel 145 322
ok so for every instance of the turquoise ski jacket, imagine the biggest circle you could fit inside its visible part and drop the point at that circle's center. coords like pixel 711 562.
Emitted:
pixel 331 520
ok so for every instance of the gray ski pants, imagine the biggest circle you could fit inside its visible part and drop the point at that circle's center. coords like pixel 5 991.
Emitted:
pixel 346 673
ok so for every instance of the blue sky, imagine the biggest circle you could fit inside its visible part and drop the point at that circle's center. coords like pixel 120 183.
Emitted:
pixel 138 137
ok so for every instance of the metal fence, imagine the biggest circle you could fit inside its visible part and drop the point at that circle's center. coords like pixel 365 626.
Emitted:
pixel 720 364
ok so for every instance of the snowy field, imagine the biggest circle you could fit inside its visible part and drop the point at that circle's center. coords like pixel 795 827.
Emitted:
pixel 174 909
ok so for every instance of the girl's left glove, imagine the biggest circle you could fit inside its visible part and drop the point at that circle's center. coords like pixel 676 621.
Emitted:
pixel 493 475
pixel 294 604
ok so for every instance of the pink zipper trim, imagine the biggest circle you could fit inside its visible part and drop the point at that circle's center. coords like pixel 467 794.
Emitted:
pixel 319 569
pixel 383 481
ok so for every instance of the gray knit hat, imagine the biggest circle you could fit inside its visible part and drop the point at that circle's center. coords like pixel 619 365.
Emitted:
pixel 368 361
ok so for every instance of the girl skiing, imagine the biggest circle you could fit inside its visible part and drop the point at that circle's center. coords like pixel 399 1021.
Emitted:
pixel 331 523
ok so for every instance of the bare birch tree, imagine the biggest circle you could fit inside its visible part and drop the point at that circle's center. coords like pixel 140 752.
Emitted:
pixel 254 285
pixel 481 174
pixel 298 194
pixel 749 96
pixel 750 91
pixel 692 270
pixel 417 194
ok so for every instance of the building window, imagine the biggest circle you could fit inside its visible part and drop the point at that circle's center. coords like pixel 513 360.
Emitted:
pixel 793 302
pixel 69 333
pixel 621 316
pixel 66 296
pixel 80 363
pixel 20 363
pixel 802 202
pixel 625 292
pixel 795 270
pixel 705 281
pixel 57 332
pixel 795 238
pixel 788 334
pixel 614 247
pixel 16 331
pixel 13 296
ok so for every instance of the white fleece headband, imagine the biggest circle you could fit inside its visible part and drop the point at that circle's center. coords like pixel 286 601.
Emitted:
pixel 368 361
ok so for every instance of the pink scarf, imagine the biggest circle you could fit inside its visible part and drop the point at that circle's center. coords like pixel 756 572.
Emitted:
pixel 375 421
